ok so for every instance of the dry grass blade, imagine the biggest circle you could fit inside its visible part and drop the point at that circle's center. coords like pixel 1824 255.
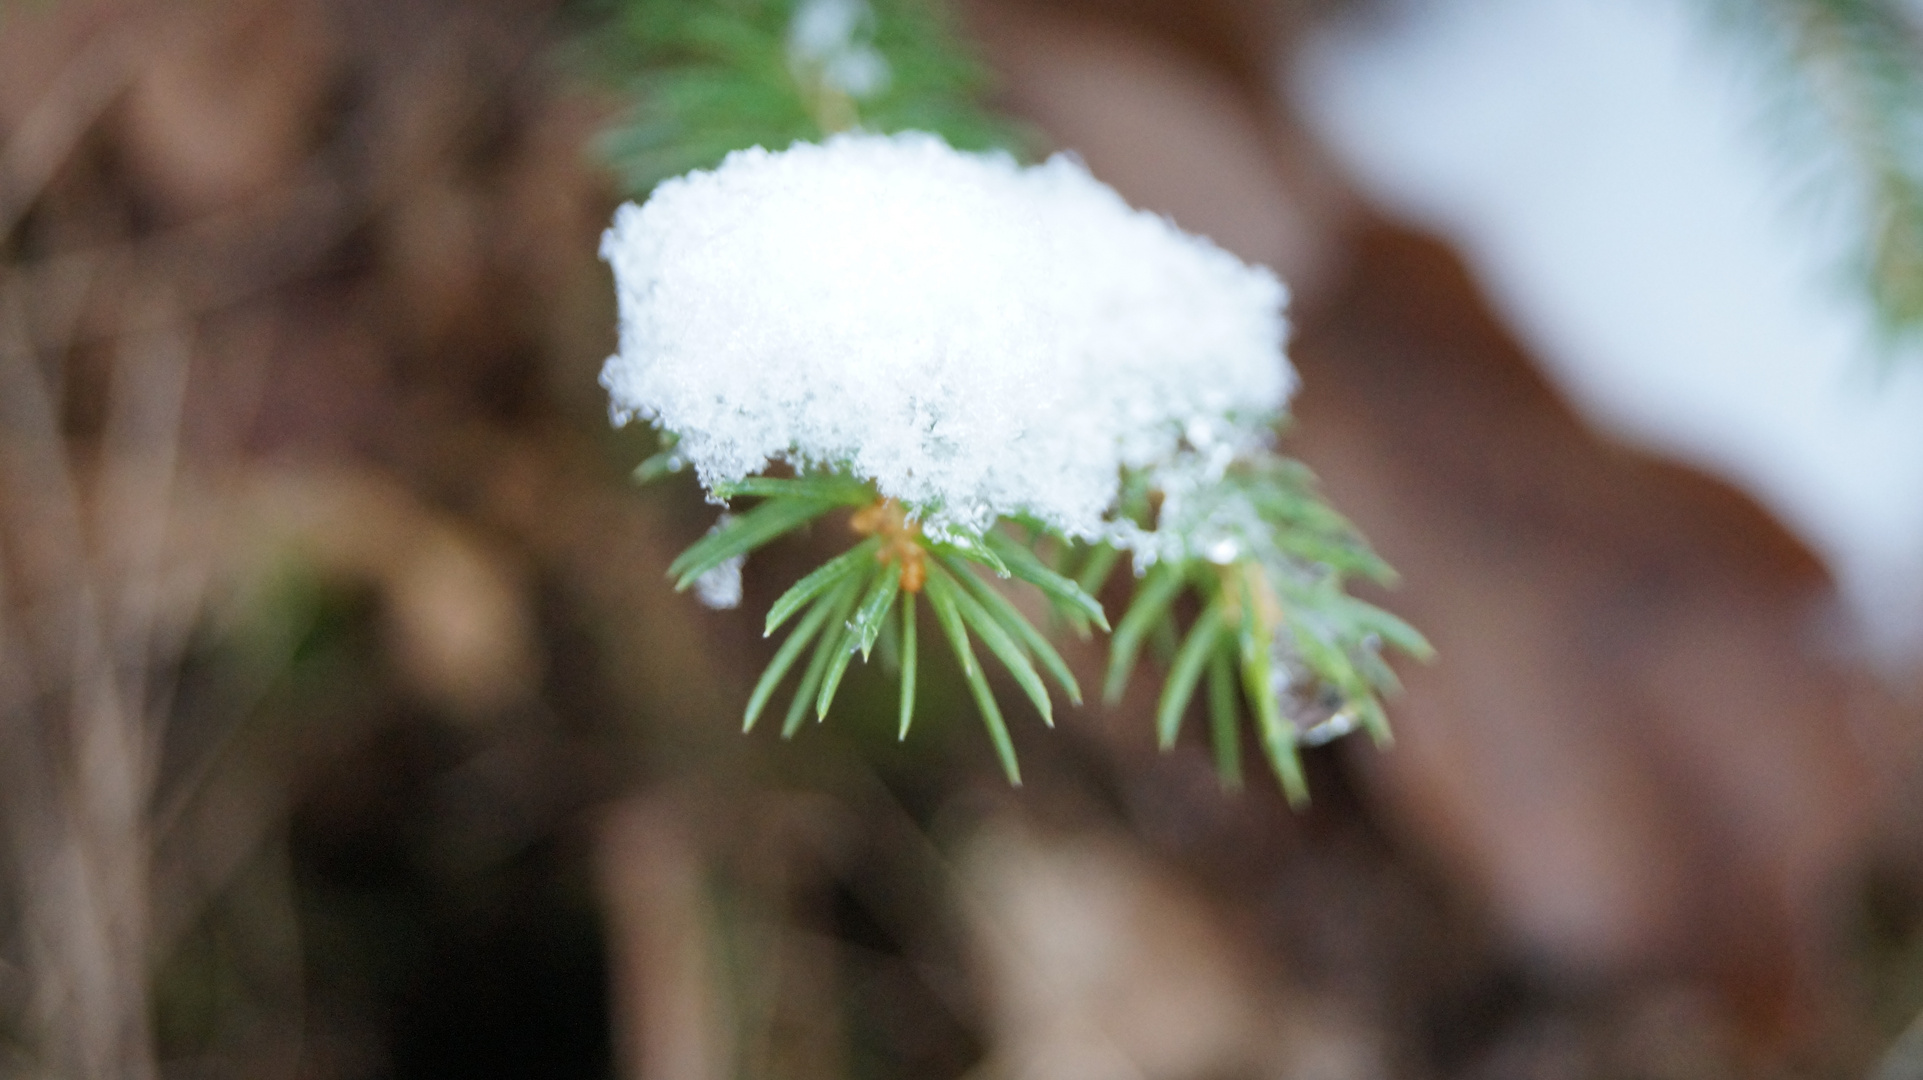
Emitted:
pixel 76 100
pixel 87 863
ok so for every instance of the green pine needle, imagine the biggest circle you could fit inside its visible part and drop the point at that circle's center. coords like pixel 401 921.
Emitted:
pixel 661 464
pixel 1001 644
pixel 941 594
pixel 859 633
pixel 908 662
pixel 785 657
pixel 1179 687
pixel 1095 572
pixel 1276 733
pixel 873 612
pixel 821 487
pixel 1152 599
pixel 1223 711
pixel 823 578
pixel 1012 620
pixel 831 644
pixel 831 677
pixel 1022 563
pixel 743 534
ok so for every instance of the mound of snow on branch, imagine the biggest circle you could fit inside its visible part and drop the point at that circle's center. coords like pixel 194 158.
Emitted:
pixel 977 338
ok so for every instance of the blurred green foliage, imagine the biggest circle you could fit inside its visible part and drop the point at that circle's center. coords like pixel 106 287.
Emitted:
pixel 709 76
pixel 1846 82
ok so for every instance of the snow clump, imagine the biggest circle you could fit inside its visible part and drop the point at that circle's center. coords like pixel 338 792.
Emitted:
pixel 976 338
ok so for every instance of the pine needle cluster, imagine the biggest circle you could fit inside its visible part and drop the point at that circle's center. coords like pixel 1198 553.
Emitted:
pixel 921 416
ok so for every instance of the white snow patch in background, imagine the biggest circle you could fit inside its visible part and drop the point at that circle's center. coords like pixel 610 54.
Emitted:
pixel 1608 169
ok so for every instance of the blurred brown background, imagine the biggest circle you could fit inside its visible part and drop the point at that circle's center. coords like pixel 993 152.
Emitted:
pixel 348 726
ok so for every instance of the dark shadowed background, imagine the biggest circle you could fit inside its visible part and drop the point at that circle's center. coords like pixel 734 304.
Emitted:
pixel 349 726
